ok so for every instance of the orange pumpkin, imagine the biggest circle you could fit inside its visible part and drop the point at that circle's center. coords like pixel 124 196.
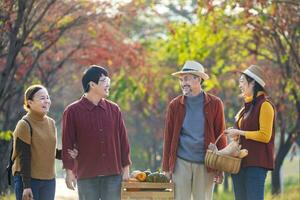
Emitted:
pixel 141 176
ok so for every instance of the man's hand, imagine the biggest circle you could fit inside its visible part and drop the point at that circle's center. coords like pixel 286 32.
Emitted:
pixel 70 179
pixel 168 175
pixel 126 173
pixel 27 194
pixel 219 176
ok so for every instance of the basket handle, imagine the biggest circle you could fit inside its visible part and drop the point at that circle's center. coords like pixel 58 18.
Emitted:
pixel 219 137
pixel 222 135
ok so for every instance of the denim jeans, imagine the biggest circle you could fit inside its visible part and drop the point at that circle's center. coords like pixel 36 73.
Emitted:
pixel 249 183
pixel 100 187
pixel 18 185
pixel 41 189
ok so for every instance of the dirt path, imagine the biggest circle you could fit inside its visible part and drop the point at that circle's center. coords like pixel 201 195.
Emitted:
pixel 62 192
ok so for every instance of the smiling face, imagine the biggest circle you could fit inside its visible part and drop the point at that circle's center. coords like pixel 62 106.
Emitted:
pixel 245 86
pixel 190 84
pixel 104 84
pixel 102 88
pixel 40 102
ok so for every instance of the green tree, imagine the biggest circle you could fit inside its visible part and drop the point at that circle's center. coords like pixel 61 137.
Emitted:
pixel 275 42
pixel 227 37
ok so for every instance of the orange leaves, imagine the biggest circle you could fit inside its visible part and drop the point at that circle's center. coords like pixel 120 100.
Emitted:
pixel 106 45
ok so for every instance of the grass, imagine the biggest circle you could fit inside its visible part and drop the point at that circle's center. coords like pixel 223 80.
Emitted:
pixel 291 193
pixel 291 189
pixel 11 197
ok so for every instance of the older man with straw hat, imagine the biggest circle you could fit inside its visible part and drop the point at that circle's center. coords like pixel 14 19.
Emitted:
pixel 193 120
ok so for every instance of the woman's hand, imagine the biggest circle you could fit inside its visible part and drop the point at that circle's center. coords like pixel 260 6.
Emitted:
pixel 73 153
pixel 27 194
pixel 233 133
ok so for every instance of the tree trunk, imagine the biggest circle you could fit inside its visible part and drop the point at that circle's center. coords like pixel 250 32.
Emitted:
pixel 277 181
pixel 5 147
pixel 276 176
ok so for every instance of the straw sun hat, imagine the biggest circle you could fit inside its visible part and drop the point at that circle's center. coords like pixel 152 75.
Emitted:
pixel 256 73
pixel 192 67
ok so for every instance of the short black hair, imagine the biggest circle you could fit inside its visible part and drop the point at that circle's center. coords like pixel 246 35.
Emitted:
pixel 93 73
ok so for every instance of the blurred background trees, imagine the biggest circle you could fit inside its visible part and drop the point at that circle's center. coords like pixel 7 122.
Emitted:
pixel 142 43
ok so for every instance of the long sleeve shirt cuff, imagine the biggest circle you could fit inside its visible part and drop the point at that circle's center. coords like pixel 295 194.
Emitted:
pixel 126 162
pixel 26 182
pixel 58 154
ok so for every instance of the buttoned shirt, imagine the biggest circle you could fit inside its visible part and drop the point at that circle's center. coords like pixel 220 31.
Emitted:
pixel 99 134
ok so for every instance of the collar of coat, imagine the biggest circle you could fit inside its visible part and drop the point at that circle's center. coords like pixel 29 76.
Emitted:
pixel 207 98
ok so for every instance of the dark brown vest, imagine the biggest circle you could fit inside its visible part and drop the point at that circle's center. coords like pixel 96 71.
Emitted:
pixel 259 154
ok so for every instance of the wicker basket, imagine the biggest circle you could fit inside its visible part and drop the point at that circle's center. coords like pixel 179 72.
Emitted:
pixel 222 162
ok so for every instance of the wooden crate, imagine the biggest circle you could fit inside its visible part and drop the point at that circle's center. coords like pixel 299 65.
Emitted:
pixel 147 191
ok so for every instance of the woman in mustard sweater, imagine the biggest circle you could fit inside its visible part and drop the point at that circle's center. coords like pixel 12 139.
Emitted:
pixel 34 149
pixel 255 129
